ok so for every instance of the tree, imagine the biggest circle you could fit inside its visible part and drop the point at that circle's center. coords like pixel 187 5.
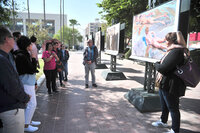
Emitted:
pixel 122 11
pixel 195 16
pixel 70 35
pixel 73 23
pixel 40 33
pixel 6 11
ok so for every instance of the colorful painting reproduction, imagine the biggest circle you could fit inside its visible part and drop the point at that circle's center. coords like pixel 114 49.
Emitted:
pixel 150 28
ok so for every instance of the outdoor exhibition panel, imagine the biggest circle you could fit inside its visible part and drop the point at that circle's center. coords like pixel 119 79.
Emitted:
pixel 113 39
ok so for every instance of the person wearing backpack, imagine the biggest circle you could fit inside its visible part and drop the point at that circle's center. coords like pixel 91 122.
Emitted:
pixel 64 59
pixel 90 57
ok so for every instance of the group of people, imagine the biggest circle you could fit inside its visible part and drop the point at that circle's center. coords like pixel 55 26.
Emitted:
pixel 19 63
pixel 18 57
pixel 55 53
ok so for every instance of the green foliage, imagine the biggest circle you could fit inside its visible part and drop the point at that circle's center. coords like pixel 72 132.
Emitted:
pixel 122 11
pixel 6 11
pixel 73 22
pixel 195 16
pixel 127 54
pixel 68 36
pixel 40 33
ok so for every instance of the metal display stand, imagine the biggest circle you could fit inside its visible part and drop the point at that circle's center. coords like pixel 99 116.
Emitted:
pixel 145 99
pixel 113 74
pixel 150 76
pixel 99 65
pixel 113 63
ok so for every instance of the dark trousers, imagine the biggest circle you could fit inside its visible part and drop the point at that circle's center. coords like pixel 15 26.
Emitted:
pixel 1 124
pixel 60 77
pixel 170 103
pixel 50 79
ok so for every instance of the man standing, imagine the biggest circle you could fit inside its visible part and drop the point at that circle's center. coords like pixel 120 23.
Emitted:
pixel 13 99
pixel 90 56
pixel 64 59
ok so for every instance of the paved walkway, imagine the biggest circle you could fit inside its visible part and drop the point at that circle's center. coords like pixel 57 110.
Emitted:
pixel 104 109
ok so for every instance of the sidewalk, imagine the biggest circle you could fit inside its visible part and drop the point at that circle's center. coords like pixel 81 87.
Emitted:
pixel 104 109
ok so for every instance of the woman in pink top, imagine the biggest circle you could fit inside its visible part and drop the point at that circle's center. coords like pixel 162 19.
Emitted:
pixel 50 67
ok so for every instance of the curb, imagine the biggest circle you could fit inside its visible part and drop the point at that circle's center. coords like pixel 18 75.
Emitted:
pixel 40 81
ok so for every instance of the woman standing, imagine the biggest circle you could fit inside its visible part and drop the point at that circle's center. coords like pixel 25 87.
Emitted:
pixel 171 86
pixel 26 66
pixel 50 67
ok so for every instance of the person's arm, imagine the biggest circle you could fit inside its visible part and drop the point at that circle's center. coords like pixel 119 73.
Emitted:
pixel 55 55
pixel 67 52
pixel 174 58
pixel 45 58
pixel 95 53
pixel 85 55
pixel 10 82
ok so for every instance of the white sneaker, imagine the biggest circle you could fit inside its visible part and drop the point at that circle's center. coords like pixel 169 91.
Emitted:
pixel 31 129
pixel 159 124
pixel 171 131
pixel 35 123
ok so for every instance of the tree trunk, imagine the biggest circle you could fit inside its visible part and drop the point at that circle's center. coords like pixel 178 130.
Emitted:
pixel 44 14
pixel 73 36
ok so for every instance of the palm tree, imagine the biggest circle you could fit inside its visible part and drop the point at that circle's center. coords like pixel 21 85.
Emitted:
pixel 44 14
pixel 61 20
pixel 13 13
pixel 73 22
pixel 28 11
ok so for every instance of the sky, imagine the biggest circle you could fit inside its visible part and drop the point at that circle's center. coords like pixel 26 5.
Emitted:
pixel 84 11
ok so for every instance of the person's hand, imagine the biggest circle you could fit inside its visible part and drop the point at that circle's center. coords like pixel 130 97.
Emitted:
pixel 33 55
pixel 54 54
pixel 36 87
pixel 89 62
pixel 29 98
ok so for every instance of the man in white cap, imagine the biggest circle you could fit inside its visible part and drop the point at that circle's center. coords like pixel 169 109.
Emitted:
pixel 90 56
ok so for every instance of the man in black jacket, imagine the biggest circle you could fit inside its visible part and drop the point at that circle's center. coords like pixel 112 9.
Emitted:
pixel 13 99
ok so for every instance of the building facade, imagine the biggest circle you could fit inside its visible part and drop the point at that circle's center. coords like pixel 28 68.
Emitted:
pixel 92 27
pixel 52 22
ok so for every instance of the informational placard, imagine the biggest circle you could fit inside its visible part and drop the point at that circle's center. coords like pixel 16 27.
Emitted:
pixel 98 40
pixel 112 39
pixel 150 28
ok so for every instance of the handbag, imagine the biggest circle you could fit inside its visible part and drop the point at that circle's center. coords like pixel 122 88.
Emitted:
pixel 158 79
pixel 188 72
pixel 59 66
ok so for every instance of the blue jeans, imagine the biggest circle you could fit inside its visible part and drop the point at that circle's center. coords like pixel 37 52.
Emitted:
pixel 170 103
pixel 65 64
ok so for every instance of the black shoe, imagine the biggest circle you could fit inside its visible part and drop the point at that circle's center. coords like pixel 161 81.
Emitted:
pixel 65 79
pixel 62 85
pixel 49 93
pixel 86 86
pixel 94 85
pixel 55 91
